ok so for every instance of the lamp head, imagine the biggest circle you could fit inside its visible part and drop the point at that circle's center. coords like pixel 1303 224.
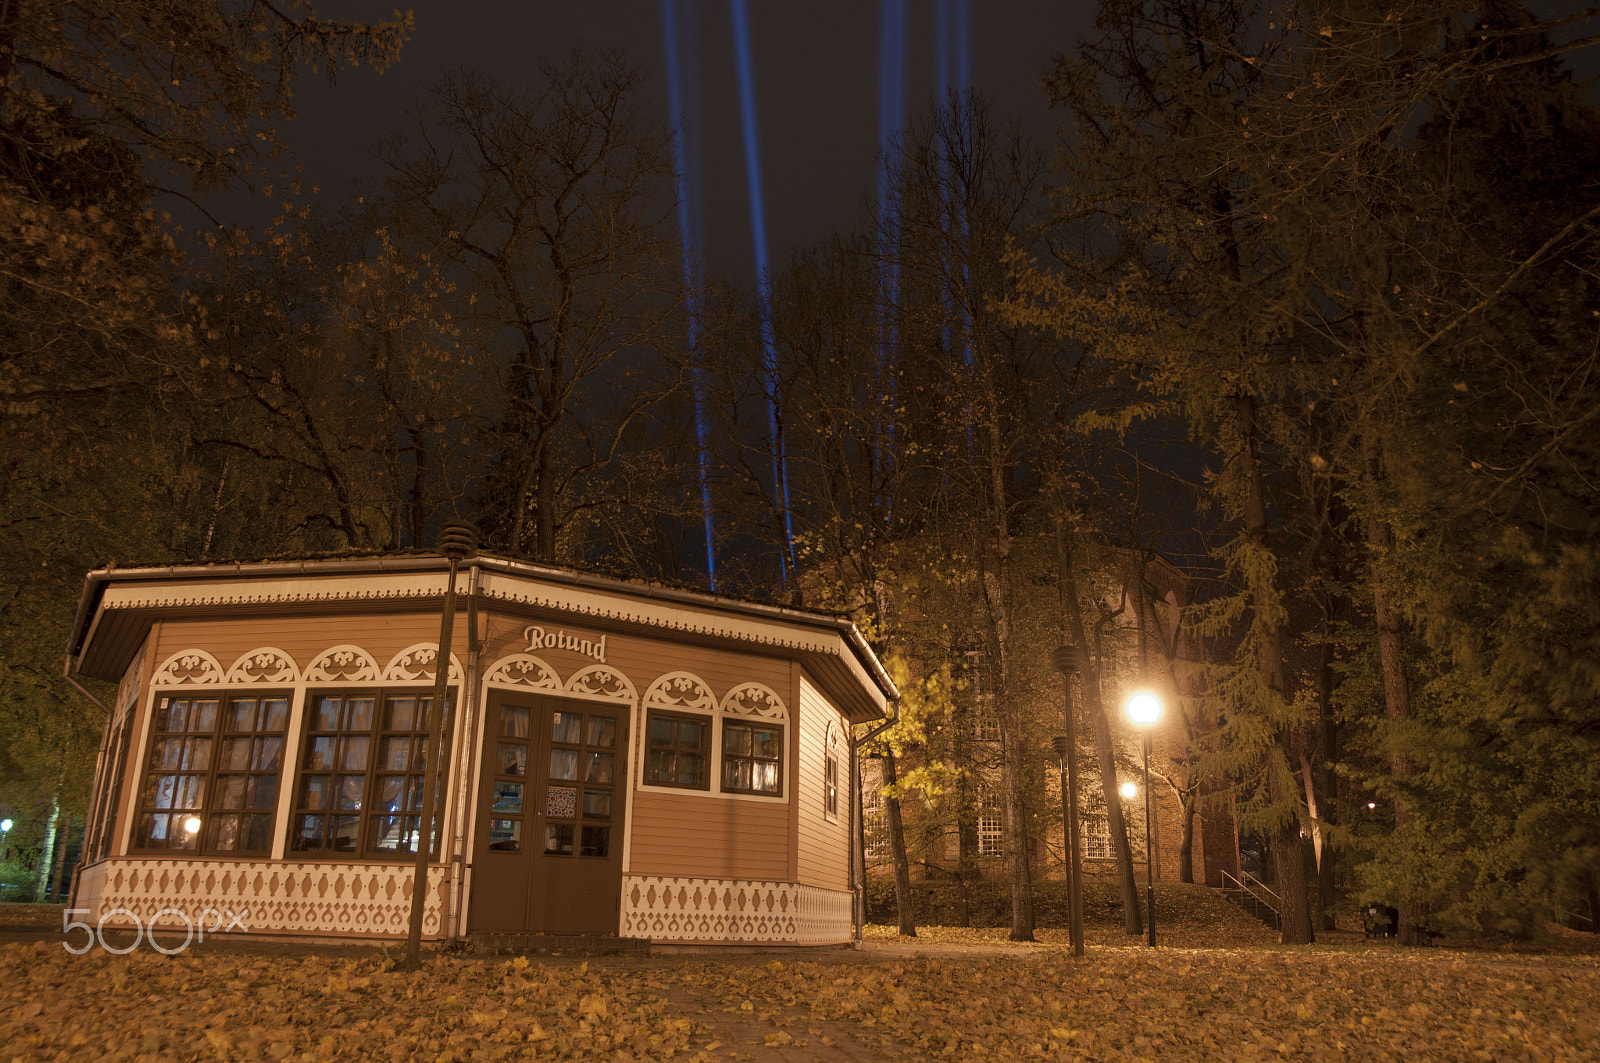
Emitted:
pixel 1129 790
pixel 1144 709
pixel 5 826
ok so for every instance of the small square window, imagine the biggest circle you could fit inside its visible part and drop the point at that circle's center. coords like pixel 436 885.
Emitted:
pixel 752 757
pixel 677 753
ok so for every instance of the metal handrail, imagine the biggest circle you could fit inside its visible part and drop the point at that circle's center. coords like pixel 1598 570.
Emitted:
pixel 1248 883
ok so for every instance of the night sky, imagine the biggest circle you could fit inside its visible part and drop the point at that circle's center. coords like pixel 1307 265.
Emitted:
pixel 816 67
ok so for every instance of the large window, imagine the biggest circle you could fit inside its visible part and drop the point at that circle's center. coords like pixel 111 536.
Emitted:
pixel 360 787
pixel 678 751
pixel 211 779
pixel 752 758
pixel 990 825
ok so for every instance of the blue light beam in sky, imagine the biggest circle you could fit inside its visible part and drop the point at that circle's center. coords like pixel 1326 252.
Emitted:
pixel 748 121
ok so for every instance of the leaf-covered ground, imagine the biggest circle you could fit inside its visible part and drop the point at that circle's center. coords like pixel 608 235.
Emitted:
pixel 949 994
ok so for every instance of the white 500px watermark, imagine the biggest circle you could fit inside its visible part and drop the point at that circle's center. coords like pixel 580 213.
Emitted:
pixel 225 923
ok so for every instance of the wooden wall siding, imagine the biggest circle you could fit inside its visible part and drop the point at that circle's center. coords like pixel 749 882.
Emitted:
pixel 733 911
pixel 700 836
pixel 267 896
pixel 823 842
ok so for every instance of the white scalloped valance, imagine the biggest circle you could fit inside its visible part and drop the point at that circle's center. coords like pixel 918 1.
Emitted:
pixel 681 691
pixel 755 699
pixel 343 664
pixel 524 670
pixel 265 664
pixel 602 681
pixel 419 664
pixel 188 667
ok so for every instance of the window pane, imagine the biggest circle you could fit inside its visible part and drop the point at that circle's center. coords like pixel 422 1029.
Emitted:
pixel 391 791
pixel 187 793
pixel 513 721
pixel 736 774
pixel 260 834
pixel 203 716
pixel 764 744
pixel 558 839
pixel 153 830
pixel 342 833
pixel 765 777
pixel 513 759
pixel 235 754
pixel 262 792
pixel 505 835
pixel 222 833
pixel 692 734
pixel 274 715
pixel 660 731
pixel 563 764
pixel 358 715
pixel 314 791
pixel 171 715
pixel 507 797
pixel 180 836
pixel 269 754
pixel 230 791
pixel 158 790
pixel 596 842
pixel 597 767
pixel 353 755
pixel 387 832
pixel 308 833
pixel 320 756
pixel 400 714
pixel 692 770
pixel 602 731
pixel 566 727
pixel 414 794
pixel 419 754
pixel 196 754
pixel 658 767
pixel 394 754
pixel 736 739
pixel 325 715
pixel 561 801
pixel 241 716
pixel 349 792
pixel 165 753
pixel 596 804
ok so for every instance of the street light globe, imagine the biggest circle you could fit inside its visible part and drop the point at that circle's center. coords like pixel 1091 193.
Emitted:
pixel 1130 790
pixel 1144 709
pixel 5 826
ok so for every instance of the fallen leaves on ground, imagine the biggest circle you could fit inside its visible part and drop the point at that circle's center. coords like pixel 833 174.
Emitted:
pixel 1122 1002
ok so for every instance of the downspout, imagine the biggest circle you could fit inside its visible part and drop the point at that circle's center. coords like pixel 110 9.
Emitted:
pixel 858 854
pixel 469 718
pixel 99 767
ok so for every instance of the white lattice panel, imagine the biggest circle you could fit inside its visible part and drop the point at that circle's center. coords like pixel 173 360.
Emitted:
pixel 269 896
pixel 732 912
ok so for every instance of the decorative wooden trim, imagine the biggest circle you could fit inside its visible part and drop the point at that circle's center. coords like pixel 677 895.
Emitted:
pixel 188 667
pixel 733 911
pixel 524 670
pixel 266 664
pixel 418 664
pixel 679 692
pixel 602 681
pixel 755 699
pixel 268 896
pixel 343 664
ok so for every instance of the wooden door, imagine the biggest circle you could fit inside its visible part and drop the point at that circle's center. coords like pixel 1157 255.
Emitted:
pixel 548 855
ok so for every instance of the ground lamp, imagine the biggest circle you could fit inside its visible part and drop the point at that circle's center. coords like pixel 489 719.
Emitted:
pixel 1066 746
pixel 1144 710
pixel 456 542
pixel 5 836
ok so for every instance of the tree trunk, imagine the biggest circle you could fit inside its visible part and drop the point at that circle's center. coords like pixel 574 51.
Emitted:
pixel 1186 836
pixel 1396 689
pixel 1328 751
pixel 41 878
pixel 897 849
pixel 59 864
pixel 1594 904
pixel 1290 863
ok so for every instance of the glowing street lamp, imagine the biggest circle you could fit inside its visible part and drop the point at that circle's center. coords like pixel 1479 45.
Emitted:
pixel 1144 710
pixel 5 836
pixel 1129 790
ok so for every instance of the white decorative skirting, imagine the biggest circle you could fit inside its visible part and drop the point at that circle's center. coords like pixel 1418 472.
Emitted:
pixel 733 911
pixel 268 896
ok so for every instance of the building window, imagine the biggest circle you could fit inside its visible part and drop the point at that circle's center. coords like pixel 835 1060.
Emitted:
pixel 989 825
pixel 227 748
pixel 830 784
pixel 874 823
pixel 1096 836
pixel 678 751
pixel 360 789
pixel 751 756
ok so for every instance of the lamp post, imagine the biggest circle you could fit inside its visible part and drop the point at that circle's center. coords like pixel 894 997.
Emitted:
pixel 456 542
pixel 1065 659
pixel 1144 710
